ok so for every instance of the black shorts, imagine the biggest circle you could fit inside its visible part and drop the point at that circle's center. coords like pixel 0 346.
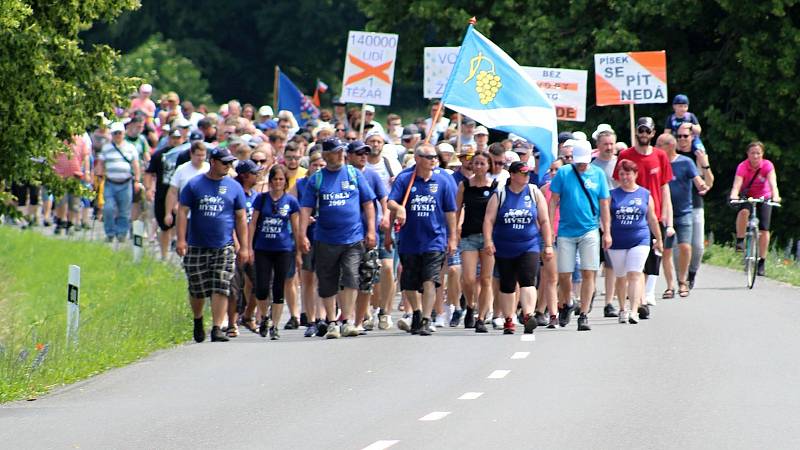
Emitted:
pixel 419 268
pixel 522 269
pixel 307 260
pixel 242 272
pixel 652 266
pixel 160 209
pixel 763 212
pixel 209 270
pixel 337 266
pixel 25 192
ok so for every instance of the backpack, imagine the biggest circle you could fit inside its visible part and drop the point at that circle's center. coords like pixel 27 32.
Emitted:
pixel 501 195
pixel 351 173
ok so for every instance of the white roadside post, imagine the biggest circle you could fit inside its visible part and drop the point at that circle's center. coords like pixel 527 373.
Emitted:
pixel 138 240
pixel 73 308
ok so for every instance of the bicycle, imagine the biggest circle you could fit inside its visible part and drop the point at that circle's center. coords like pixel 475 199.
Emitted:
pixel 751 236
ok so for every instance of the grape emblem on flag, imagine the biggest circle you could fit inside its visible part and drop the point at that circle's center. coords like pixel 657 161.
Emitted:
pixel 487 82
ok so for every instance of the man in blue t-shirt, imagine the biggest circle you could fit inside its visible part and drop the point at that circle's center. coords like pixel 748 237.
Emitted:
pixel 217 205
pixel 580 191
pixel 341 195
pixel 428 221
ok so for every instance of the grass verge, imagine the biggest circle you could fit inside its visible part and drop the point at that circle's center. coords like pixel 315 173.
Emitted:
pixel 127 311
pixel 777 267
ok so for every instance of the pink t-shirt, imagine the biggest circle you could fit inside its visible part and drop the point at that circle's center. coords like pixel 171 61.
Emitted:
pixel 145 105
pixel 547 194
pixel 760 187
pixel 70 164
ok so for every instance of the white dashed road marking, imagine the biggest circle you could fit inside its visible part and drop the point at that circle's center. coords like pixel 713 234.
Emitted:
pixel 380 445
pixel 470 395
pixel 520 355
pixel 528 338
pixel 499 374
pixel 436 415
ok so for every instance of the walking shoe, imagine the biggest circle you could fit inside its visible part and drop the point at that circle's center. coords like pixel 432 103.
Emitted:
pixel 368 325
pixel 583 323
pixel 199 332
pixel 218 336
pixel 565 315
pixel 623 316
pixel 650 299
pixel 480 326
pixel 426 328
pixel 632 318
pixel 349 330
pixel 644 312
pixel 333 331
pixel 553 321
pixel 497 323
pixel 311 330
pixel 531 322
pixel 263 327
pixel 303 319
pixel 540 319
pixel 416 322
pixel 690 279
pixel 456 318
pixel 273 334
pixel 322 328
pixel 439 322
pixel 249 323
pixel 292 324
pixel 509 327
pixel 384 322
pixel 610 311
pixel 469 318
pixel 404 323
pixel 760 270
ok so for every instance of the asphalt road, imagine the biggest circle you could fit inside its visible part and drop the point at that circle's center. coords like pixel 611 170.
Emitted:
pixel 720 369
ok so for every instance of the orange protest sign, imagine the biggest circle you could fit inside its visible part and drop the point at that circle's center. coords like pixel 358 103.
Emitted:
pixel 630 78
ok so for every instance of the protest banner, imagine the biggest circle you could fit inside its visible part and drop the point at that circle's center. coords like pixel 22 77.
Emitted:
pixel 630 78
pixel 566 89
pixel 438 62
pixel 369 68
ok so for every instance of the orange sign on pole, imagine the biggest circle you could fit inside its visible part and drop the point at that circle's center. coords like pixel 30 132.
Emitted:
pixel 630 78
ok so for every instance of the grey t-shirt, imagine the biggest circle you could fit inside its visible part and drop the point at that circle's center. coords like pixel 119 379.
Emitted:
pixel 608 168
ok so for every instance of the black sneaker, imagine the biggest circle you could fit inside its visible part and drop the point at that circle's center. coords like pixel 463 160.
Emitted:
pixel 583 323
pixel 480 326
pixel 553 322
pixel 540 319
pixel 199 332
pixel 610 311
pixel 565 315
pixel 531 322
pixel 456 319
pixel 425 328
pixel 273 334
pixel 416 322
pixel 291 324
pixel 303 320
pixel 322 328
pixel 263 327
pixel 690 279
pixel 739 245
pixel 469 318
pixel 760 271
pixel 644 312
pixel 218 336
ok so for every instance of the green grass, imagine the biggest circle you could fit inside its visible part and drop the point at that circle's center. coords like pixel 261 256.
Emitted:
pixel 777 267
pixel 127 311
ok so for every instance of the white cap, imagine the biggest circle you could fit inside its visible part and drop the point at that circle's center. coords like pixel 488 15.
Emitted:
pixel 117 127
pixel 513 137
pixel 444 147
pixel 480 130
pixel 181 122
pixel 369 108
pixel 373 132
pixel 265 110
pixel 146 88
pixel 602 128
pixel 581 152
pixel 579 136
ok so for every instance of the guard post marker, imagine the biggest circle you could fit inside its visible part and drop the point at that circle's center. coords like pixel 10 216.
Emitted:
pixel 73 308
pixel 138 239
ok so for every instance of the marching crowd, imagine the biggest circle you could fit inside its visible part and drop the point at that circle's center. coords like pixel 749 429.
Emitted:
pixel 332 217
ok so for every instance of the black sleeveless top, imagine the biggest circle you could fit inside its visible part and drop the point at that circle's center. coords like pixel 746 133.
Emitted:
pixel 475 201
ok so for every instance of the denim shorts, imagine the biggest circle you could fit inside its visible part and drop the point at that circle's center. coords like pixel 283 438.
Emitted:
pixel 683 231
pixel 455 260
pixel 586 246
pixel 472 243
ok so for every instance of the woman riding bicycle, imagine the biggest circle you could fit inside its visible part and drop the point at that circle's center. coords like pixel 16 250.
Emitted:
pixel 755 178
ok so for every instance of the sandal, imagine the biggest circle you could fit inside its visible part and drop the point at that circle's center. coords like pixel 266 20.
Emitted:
pixel 683 288
pixel 250 324
pixel 669 293
pixel 232 331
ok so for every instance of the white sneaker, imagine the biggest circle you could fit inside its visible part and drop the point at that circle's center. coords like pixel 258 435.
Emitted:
pixel 440 321
pixel 448 311
pixel 384 322
pixel 623 317
pixel 650 299
pixel 404 323
pixel 333 331
pixel 497 323
pixel 349 330
pixel 368 325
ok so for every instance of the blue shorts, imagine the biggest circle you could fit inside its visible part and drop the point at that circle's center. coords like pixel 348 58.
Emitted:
pixel 683 231
pixel 455 260
pixel 472 243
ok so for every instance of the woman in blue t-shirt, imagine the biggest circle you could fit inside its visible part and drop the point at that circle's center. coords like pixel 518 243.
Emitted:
pixel 633 219
pixel 272 240
pixel 515 226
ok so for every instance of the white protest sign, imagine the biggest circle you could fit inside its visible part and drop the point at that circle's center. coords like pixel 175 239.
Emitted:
pixel 73 308
pixel 438 62
pixel 630 78
pixel 369 68
pixel 566 88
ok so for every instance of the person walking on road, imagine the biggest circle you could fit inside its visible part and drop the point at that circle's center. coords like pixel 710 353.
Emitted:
pixel 206 241
pixel 119 164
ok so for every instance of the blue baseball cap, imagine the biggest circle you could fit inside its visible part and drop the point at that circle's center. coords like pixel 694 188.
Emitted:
pixel 222 154
pixel 248 166
pixel 333 145
pixel 196 136
pixel 680 99
pixel 355 146
pixel 564 136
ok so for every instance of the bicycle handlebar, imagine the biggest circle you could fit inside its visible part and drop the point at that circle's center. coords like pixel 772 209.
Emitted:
pixel 741 201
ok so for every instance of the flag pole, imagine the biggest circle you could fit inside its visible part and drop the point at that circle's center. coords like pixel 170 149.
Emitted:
pixel 363 118
pixel 434 121
pixel 633 130
pixel 275 90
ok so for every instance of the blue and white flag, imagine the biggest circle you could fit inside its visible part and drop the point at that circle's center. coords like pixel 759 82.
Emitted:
pixel 491 88
pixel 290 98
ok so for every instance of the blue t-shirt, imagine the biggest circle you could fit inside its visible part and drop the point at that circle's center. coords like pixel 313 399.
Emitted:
pixel 683 172
pixel 516 229
pixel 249 200
pixel 458 177
pixel 340 199
pixel 575 210
pixel 301 189
pixel 273 230
pixel 379 188
pixel 629 218
pixel 213 205
pixel 425 229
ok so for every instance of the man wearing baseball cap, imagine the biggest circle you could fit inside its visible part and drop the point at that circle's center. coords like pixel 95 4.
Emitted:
pixel 118 162
pixel 265 122
pixel 217 206
pixel 341 195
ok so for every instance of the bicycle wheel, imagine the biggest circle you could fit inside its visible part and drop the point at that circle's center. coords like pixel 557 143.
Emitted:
pixel 750 257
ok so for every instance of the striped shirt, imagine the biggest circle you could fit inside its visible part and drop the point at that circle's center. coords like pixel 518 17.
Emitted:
pixel 117 169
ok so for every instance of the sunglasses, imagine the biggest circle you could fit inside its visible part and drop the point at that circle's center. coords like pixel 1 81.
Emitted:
pixel 291 158
pixel 429 157
pixel 643 130
pixel 684 136
pixel 566 158
pixel 524 169
pixel 259 161
pixel 361 152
